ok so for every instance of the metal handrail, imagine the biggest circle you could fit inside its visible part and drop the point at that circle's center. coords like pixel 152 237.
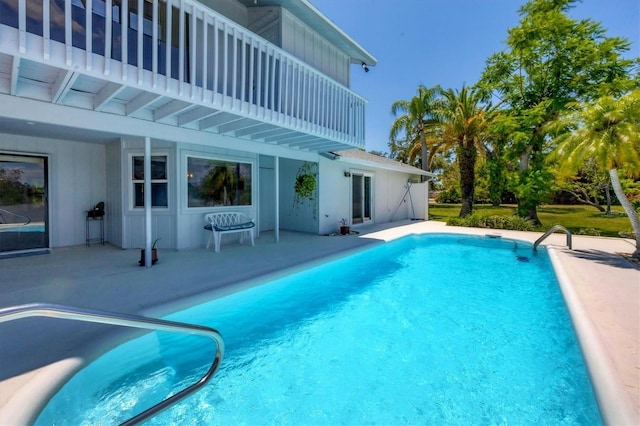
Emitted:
pixel 28 220
pixel 551 231
pixel 102 317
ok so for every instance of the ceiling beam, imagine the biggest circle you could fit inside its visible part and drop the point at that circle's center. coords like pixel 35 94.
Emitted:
pixel 15 72
pixel 170 108
pixel 236 125
pixel 253 129
pixel 106 94
pixel 141 101
pixel 217 120
pixel 195 115
pixel 62 85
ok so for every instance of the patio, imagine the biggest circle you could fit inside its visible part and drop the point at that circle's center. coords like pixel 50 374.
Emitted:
pixel 108 278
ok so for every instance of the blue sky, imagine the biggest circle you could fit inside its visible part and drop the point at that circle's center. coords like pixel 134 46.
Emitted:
pixel 442 42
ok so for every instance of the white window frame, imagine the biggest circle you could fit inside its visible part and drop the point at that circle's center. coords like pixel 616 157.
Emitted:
pixel 184 205
pixel 364 174
pixel 132 182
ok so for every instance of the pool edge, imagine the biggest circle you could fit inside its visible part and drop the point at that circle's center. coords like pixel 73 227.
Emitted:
pixel 613 401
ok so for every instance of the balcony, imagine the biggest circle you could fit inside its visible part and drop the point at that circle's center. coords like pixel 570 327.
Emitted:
pixel 173 62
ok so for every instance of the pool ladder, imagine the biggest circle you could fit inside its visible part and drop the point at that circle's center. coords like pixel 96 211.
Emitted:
pixel 551 231
pixel 101 317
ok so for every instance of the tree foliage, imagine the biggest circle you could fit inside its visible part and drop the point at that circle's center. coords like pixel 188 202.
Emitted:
pixel 606 131
pixel 550 61
pixel 411 123
pixel 462 121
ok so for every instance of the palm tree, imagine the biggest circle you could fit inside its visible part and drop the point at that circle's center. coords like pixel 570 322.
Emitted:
pixel 606 130
pixel 462 121
pixel 413 123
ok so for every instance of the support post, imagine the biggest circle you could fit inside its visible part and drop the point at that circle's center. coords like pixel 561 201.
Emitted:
pixel 276 178
pixel 147 202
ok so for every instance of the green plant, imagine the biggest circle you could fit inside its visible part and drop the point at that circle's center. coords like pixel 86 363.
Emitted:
pixel 448 196
pixel 153 246
pixel 588 231
pixel 305 183
pixel 476 220
pixel 344 222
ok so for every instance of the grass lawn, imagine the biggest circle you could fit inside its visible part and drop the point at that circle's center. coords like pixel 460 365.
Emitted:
pixel 575 218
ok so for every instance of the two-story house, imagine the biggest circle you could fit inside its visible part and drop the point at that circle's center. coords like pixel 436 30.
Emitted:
pixel 168 109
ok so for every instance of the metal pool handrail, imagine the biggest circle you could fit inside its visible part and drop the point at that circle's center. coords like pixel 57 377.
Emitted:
pixel 102 317
pixel 4 221
pixel 551 231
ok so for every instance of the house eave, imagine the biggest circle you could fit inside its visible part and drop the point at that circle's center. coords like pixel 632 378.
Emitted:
pixel 399 167
pixel 315 19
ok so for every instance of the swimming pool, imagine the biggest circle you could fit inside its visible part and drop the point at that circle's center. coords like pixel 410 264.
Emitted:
pixel 425 329
pixel 32 227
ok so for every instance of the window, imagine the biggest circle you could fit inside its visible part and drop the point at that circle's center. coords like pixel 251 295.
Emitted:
pixel 213 183
pixel 159 181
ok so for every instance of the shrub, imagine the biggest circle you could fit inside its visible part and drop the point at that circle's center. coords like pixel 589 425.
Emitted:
pixel 588 231
pixel 513 223
pixel 449 196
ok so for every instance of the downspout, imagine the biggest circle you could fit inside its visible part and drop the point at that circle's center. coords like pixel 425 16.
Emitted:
pixel 147 201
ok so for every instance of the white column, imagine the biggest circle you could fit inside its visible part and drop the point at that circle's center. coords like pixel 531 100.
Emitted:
pixel 426 213
pixel 147 202
pixel 276 178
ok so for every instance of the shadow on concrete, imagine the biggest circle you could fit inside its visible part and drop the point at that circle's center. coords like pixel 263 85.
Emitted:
pixel 604 258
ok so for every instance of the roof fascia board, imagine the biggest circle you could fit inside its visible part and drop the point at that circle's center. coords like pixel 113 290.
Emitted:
pixel 398 168
pixel 368 58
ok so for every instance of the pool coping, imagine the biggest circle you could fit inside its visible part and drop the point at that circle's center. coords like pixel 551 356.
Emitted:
pixel 613 401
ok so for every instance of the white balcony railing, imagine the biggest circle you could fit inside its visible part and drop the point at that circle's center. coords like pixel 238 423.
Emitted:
pixel 183 47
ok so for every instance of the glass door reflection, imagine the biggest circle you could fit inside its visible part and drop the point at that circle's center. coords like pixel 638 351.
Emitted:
pixel 23 202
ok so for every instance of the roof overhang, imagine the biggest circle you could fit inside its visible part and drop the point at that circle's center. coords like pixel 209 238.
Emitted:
pixel 311 16
pixel 379 163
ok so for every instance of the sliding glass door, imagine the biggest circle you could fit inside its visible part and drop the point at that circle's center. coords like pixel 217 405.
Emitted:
pixel 23 202
pixel 361 198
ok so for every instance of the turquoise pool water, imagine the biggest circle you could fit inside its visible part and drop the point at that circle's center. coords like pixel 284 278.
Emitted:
pixel 34 227
pixel 433 329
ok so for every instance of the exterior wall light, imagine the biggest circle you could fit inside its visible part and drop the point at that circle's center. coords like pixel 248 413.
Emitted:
pixel 365 67
pixel 347 174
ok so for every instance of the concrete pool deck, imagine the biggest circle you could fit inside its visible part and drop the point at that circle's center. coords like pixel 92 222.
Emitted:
pixel 601 288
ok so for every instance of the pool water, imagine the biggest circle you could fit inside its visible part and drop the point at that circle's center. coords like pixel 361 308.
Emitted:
pixel 434 329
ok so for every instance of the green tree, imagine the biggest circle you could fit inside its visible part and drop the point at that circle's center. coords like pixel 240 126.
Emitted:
pixel 498 137
pixel 550 61
pixel 606 131
pixel 412 119
pixel 586 187
pixel 462 123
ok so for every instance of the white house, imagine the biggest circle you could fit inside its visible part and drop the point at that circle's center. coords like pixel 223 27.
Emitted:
pixel 169 109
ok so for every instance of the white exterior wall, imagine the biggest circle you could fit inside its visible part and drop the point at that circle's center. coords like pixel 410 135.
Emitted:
pixel 335 195
pixel 301 41
pixel 177 226
pixel 300 218
pixel 77 182
pixel 388 190
pixel 232 9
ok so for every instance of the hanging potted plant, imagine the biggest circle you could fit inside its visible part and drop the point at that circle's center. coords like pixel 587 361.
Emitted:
pixel 154 254
pixel 305 186
pixel 344 227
